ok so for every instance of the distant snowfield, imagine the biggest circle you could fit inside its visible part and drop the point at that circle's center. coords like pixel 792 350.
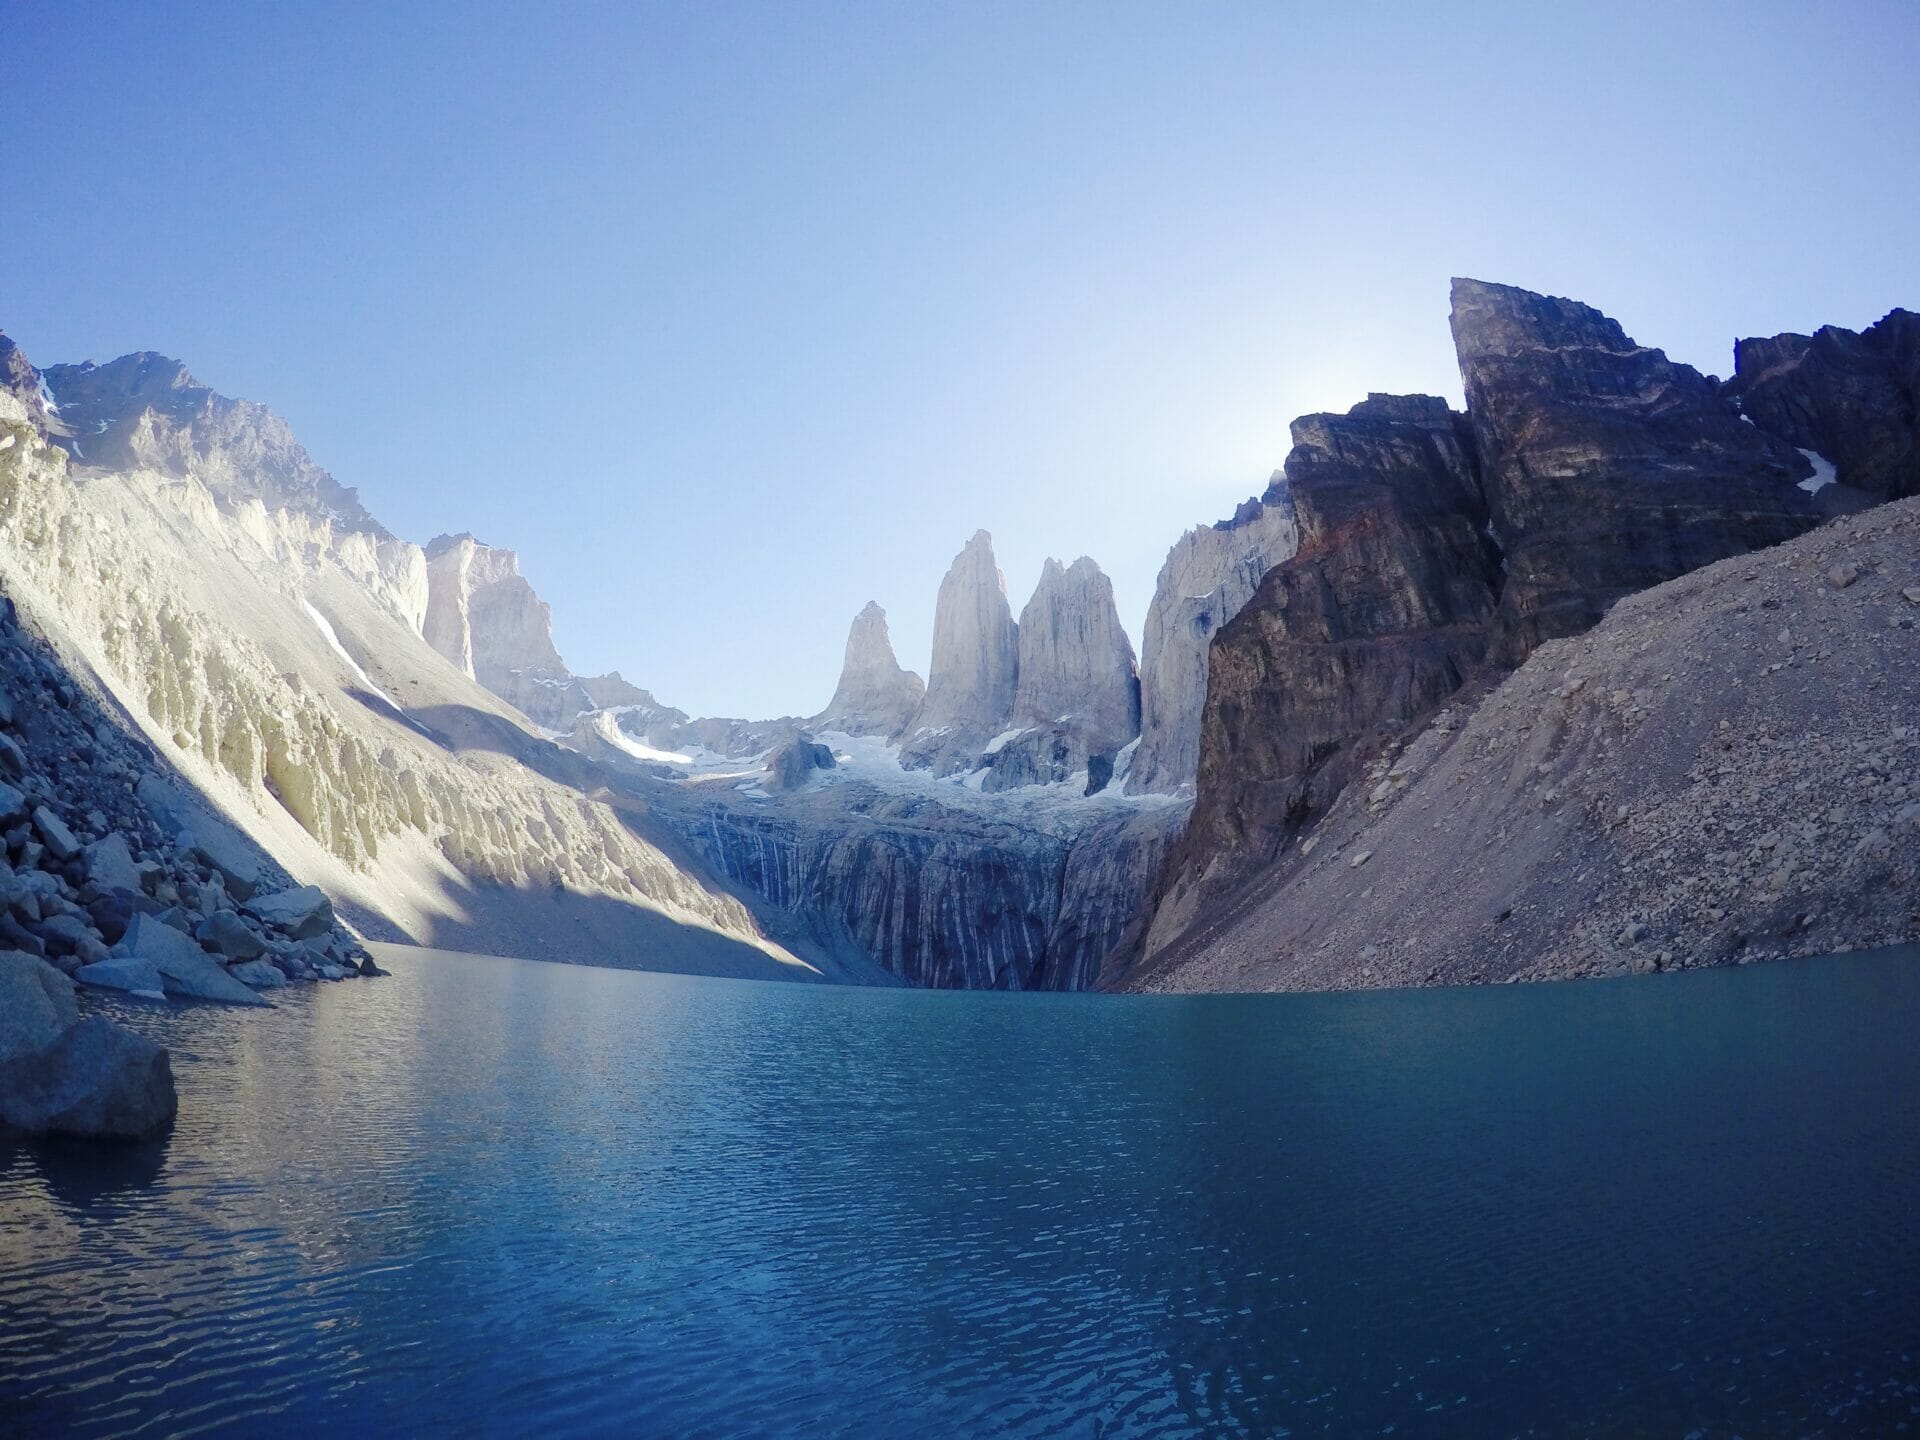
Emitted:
pixel 872 761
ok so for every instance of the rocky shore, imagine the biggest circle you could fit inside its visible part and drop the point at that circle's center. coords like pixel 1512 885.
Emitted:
pixel 111 879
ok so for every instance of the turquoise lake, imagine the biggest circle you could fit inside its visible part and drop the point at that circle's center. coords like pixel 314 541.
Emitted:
pixel 501 1198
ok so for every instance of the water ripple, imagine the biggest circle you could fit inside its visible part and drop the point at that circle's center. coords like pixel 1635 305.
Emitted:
pixel 494 1198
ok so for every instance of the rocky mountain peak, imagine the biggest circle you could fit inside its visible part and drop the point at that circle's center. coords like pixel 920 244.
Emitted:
pixel 484 616
pixel 976 661
pixel 145 411
pixel 875 695
pixel 1852 398
pixel 1210 572
pixel 19 379
pixel 1598 455
pixel 1075 660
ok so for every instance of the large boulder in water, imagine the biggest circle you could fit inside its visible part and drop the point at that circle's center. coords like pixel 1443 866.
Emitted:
pixel 61 1075
pixel 36 1004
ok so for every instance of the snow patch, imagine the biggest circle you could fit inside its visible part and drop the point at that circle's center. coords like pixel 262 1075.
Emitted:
pixel 326 631
pixel 1823 473
pixel 1003 739
pixel 46 395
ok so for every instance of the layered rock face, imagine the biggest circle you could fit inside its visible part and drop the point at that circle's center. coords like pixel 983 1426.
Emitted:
pixel 976 664
pixel 1209 574
pixel 875 695
pixel 145 412
pixel 1726 768
pixel 1853 399
pixel 938 889
pixel 1438 550
pixel 1607 467
pixel 1382 611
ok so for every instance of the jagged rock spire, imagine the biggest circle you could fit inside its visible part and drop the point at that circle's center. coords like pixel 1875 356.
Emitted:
pixel 875 695
pixel 976 646
pixel 1076 661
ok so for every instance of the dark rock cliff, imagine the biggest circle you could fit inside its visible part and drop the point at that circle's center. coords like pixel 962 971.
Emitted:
pixel 1607 467
pixel 1438 549
pixel 1852 398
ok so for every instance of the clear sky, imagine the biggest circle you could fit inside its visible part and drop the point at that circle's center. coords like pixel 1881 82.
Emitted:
pixel 731 317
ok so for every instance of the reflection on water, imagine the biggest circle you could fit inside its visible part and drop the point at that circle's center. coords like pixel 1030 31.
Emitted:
pixel 497 1197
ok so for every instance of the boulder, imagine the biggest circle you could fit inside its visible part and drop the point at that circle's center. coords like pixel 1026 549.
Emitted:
pixel 55 835
pixel 63 934
pixel 792 764
pixel 36 1004
pixel 111 914
pixel 225 933
pixel 257 973
pixel 111 866
pixel 303 911
pixel 234 860
pixel 95 1081
pixel 13 806
pixel 13 760
pixel 185 969
pixel 127 972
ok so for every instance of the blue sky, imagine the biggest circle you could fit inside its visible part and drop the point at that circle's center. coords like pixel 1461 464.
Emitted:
pixel 732 317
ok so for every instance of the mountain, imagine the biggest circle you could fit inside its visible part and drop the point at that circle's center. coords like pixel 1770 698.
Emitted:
pixel 1209 574
pixel 875 695
pixel 976 664
pixel 1438 551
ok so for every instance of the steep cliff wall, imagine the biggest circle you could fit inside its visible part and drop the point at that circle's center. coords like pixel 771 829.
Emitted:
pixel 1209 574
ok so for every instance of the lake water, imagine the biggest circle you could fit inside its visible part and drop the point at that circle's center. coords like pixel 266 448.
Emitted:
pixel 493 1197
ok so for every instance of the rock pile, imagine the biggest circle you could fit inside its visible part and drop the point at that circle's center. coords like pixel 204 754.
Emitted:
pixel 99 885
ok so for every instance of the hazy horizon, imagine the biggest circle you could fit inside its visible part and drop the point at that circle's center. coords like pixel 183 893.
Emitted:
pixel 730 320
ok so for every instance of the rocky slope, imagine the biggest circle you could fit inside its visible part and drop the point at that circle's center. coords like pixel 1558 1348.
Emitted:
pixel 1726 768
pixel 1436 551
pixel 287 687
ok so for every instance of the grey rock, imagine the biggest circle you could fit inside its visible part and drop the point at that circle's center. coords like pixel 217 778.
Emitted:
pixel 875 695
pixel 303 911
pixel 96 1081
pixel 1076 663
pixel 793 764
pixel 36 1004
pixel 62 934
pixel 13 760
pixel 234 860
pixel 13 805
pixel 225 933
pixel 111 866
pixel 975 668
pixel 55 835
pixel 185 969
pixel 129 973
pixel 1211 572
pixel 259 974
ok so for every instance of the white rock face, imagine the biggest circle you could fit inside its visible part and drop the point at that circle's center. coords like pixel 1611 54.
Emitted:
pixel 1076 662
pixel 875 695
pixel 484 616
pixel 250 670
pixel 1209 574
pixel 976 663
